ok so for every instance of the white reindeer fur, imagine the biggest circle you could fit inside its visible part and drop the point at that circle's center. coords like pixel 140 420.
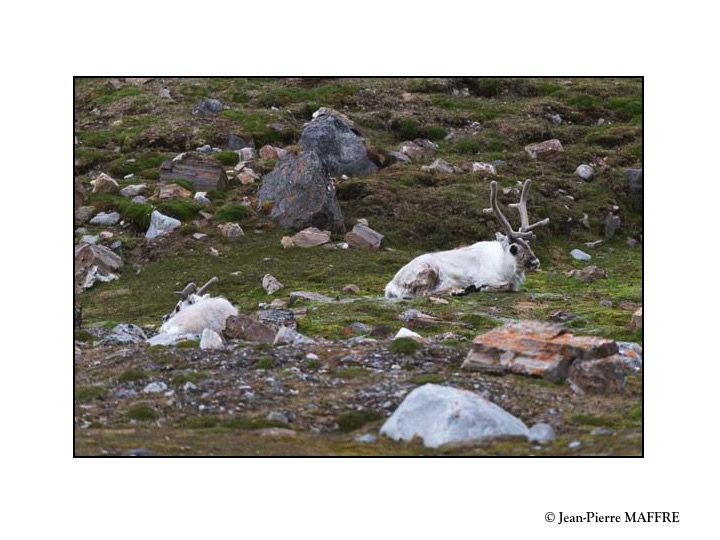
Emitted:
pixel 195 315
pixel 483 264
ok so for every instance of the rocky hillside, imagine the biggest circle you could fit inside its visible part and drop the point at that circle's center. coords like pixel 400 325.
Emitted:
pixel 304 197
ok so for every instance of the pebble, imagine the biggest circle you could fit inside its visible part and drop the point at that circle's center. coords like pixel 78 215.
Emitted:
pixel 541 433
pixel 574 445
pixel 155 387
pixel 367 438
pixel 275 416
pixel 580 255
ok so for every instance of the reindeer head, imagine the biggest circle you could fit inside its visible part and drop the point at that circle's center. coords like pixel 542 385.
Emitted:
pixel 189 296
pixel 516 242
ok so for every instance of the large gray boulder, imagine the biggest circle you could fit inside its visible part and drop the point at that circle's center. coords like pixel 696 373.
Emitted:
pixel 302 194
pixel 339 145
pixel 441 414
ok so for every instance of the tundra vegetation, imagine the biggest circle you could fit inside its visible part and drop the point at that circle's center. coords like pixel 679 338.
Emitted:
pixel 270 400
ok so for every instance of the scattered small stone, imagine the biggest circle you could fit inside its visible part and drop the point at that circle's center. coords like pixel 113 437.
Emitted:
pixel 593 244
pixel 133 190
pixel 479 166
pixel 275 432
pixel 310 237
pixel 612 224
pixel 367 438
pixel 276 416
pixel 541 433
pixel 563 316
pixel 208 107
pixel 588 274
pixel 364 237
pixel 418 149
pixel 586 172
pixel 545 148
pixel 289 336
pixel 106 219
pixel 155 387
pixel 308 297
pixel 359 328
pixel 271 284
pixel 211 340
pixel 139 452
pixel 351 289
pixel 169 192
pixel 232 231
pixel 601 431
pixel 438 301
pixel 407 333
pixel 606 303
pixel 574 445
pixel 123 334
pixel 272 152
pixel 277 317
pixel 631 242
pixel 84 213
pixel 89 239
pixel 199 235
pixel 161 224
pixel 439 165
pixel 201 198
pixel 105 183
pixel 247 154
pixel 580 255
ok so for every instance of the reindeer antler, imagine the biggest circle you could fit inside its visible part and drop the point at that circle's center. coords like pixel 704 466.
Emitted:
pixel 525 231
pixel 202 289
pixel 187 291
pixel 522 208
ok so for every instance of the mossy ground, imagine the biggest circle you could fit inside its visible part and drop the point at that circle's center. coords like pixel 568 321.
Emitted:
pixel 136 130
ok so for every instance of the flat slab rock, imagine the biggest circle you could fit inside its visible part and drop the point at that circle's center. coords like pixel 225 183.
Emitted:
pixel 205 173
pixel 536 349
pixel 307 238
pixel 442 415
pixel 363 237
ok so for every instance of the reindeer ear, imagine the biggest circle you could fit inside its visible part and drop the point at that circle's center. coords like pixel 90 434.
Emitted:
pixel 500 237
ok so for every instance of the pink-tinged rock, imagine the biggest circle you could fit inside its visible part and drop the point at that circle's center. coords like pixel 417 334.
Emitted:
pixel 535 349
pixel 310 237
pixel 169 192
pixel 272 152
pixel 105 183
pixel 600 375
pixel 364 237
pixel 542 149
pixel 636 323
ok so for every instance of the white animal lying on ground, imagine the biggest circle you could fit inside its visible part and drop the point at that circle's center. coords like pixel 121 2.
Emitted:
pixel 498 265
pixel 194 313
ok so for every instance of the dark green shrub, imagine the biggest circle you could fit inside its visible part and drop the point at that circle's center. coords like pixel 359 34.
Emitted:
pixel 182 210
pixel 228 158
pixel 232 212
pixel 136 213
pixel 404 345
pixel 350 421
pixel 142 412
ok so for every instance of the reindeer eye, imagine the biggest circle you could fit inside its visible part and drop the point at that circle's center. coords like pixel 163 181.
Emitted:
pixel 513 249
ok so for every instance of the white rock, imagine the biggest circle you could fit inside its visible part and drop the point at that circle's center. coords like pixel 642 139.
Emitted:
pixel 89 239
pixel 478 166
pixel 232 231
pixel 161 224
pixel 271 284
pixel 585 172
pixel 211 340
pixel 541 433
pixel 155 387
pixel 201 198
pixel 441 414
pixel 106 219
pixel 405 333
pixel 289 336
pixel 580 255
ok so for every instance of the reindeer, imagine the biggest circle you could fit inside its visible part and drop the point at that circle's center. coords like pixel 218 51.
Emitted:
pixel 498 265
pixel 195 312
